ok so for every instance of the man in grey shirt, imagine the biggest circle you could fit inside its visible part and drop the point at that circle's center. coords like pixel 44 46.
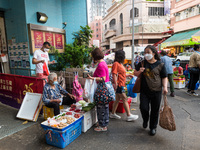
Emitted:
pixel 168 65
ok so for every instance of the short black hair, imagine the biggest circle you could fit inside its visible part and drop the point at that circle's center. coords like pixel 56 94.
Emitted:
pixel 97 54
pixel 120 56
pixel 46 43
pixel 163 53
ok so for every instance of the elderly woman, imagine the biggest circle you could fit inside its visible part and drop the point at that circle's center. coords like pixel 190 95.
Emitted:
pixel 53 94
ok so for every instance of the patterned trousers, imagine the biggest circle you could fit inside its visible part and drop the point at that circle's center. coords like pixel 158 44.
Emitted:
pixel 103 115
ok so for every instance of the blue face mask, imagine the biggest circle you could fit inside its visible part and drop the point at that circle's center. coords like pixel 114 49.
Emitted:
pixel 55 82
pixel 177 65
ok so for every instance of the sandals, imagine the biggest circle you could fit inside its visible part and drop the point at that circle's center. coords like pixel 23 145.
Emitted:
pixel 100 129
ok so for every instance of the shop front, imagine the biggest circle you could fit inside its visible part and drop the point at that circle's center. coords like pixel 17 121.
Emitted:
pixel 181 42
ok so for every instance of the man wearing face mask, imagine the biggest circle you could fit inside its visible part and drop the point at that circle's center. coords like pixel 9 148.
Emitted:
pixel 53 94
pixel 41 58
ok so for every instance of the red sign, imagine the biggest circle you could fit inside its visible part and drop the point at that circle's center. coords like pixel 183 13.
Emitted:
pixel 49 38
pixel 13 88
pixel 38 38
pixel 59 42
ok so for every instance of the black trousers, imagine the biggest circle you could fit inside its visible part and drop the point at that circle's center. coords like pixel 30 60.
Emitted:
pixel 153 100
pixel 193 80
pixel 66 101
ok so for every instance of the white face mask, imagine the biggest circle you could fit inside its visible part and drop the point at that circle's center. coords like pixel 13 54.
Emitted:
pixel 148 56
pixel 46 49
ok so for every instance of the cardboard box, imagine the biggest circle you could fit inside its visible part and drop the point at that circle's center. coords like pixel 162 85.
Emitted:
pixel 90 118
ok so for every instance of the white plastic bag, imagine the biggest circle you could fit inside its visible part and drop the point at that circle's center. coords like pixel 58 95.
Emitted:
pixel 93 90
pixel 86 91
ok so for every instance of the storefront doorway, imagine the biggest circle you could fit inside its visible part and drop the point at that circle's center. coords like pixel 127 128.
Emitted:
pixel 4 66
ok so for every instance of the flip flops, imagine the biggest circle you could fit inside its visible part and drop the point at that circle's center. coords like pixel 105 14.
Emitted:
pixel 100 129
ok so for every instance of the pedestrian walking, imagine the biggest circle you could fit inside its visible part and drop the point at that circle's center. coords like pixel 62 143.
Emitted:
pixel 194 65
pixel 154 76
pixel 101 72
pixel 119 83
pixel 168 65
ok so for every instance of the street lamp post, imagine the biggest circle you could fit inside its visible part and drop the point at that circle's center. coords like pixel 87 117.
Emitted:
pixel 132 62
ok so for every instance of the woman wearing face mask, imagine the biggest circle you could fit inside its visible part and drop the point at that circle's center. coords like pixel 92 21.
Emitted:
pixel 52 97
pixel 154 77
pixel 178 68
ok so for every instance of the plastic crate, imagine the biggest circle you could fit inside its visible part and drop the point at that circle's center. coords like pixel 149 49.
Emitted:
pixel 63 137
pixel 48 112
pixel 120 108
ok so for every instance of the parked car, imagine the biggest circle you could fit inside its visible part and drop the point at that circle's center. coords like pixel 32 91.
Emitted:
pixel 183 57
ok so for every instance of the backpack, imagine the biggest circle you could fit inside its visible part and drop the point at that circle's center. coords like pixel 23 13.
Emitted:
pixel 77 89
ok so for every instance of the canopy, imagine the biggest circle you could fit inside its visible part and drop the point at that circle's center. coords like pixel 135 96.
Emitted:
pixel 184 38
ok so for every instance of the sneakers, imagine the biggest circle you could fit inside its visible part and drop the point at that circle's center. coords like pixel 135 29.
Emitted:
pixel 194 94
pixel 132 117
pixel 115 116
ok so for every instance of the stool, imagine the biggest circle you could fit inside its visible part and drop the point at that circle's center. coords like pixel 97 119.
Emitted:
pixel 48 112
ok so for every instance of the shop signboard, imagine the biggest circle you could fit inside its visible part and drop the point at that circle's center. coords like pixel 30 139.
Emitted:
pixel 13 88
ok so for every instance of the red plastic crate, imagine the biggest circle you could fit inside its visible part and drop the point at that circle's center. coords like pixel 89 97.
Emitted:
pixel 120 108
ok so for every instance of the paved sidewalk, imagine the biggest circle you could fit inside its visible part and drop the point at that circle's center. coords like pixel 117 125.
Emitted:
pixel 122 135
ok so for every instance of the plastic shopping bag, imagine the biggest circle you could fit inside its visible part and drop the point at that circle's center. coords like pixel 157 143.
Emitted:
pixel 130 87
pixel 92 91
pixel 45 69
pixel 86 91
pixel 111 89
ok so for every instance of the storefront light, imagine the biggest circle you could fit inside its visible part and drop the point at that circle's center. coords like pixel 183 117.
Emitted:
pixel 41 17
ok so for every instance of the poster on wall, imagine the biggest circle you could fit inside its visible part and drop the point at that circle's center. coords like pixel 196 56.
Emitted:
pixel 58 40
pixel 49 38
pixel 38 38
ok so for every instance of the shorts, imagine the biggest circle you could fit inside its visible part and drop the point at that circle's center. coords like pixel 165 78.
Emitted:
pixel 120 90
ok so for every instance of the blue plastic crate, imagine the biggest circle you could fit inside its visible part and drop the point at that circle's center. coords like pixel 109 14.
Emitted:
pixel 62 137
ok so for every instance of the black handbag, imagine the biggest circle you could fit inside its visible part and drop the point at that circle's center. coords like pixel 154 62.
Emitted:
pixel 193 70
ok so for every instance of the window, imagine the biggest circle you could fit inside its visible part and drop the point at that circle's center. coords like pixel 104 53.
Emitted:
pixel 105 26
pixel 112 23
pixel 156 11
pixel 96 24
pixel 121 23
pixel 178 0
pixel 97 30
pixel 97 35
pixel 136 12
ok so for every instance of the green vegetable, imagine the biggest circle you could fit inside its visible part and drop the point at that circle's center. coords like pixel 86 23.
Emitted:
pixel 82 102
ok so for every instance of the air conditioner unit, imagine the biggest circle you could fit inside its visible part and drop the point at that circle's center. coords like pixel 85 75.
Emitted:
pixel 198 5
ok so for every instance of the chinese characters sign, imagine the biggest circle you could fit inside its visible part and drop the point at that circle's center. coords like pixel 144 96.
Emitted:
pixel 58 40
pixel 13 88
pixel 49 38
pixel 38 38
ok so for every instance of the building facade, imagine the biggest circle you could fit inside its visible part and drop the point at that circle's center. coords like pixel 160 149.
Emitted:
pixel 185 16
pixel 96 26
pixel 98 8
pixel 16 17
pixel 149 23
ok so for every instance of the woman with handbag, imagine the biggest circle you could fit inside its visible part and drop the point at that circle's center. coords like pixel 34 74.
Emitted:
pixel 194 65
pixel 154 76
pixel 101 75
pixel 119 79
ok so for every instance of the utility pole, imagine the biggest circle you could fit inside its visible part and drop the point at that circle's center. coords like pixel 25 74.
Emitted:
pixel 132 62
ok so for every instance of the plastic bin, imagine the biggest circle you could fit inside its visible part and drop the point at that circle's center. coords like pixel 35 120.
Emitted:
pixel 63 137
pixel 48 112
pixel 120 108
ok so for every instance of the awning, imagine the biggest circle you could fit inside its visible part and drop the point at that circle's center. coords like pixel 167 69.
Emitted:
pixel 183 39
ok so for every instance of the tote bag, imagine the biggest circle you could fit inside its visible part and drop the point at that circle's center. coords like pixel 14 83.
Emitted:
pixel 167 120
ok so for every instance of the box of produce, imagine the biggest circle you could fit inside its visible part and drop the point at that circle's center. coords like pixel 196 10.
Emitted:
pixel 179 83
pixel 61 130
pixel 90 118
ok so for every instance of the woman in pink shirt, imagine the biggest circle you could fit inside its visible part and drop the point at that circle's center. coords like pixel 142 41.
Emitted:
pixel 101 72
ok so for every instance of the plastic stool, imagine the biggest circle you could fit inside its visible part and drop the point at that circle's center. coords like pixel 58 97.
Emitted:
pixel 48 112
